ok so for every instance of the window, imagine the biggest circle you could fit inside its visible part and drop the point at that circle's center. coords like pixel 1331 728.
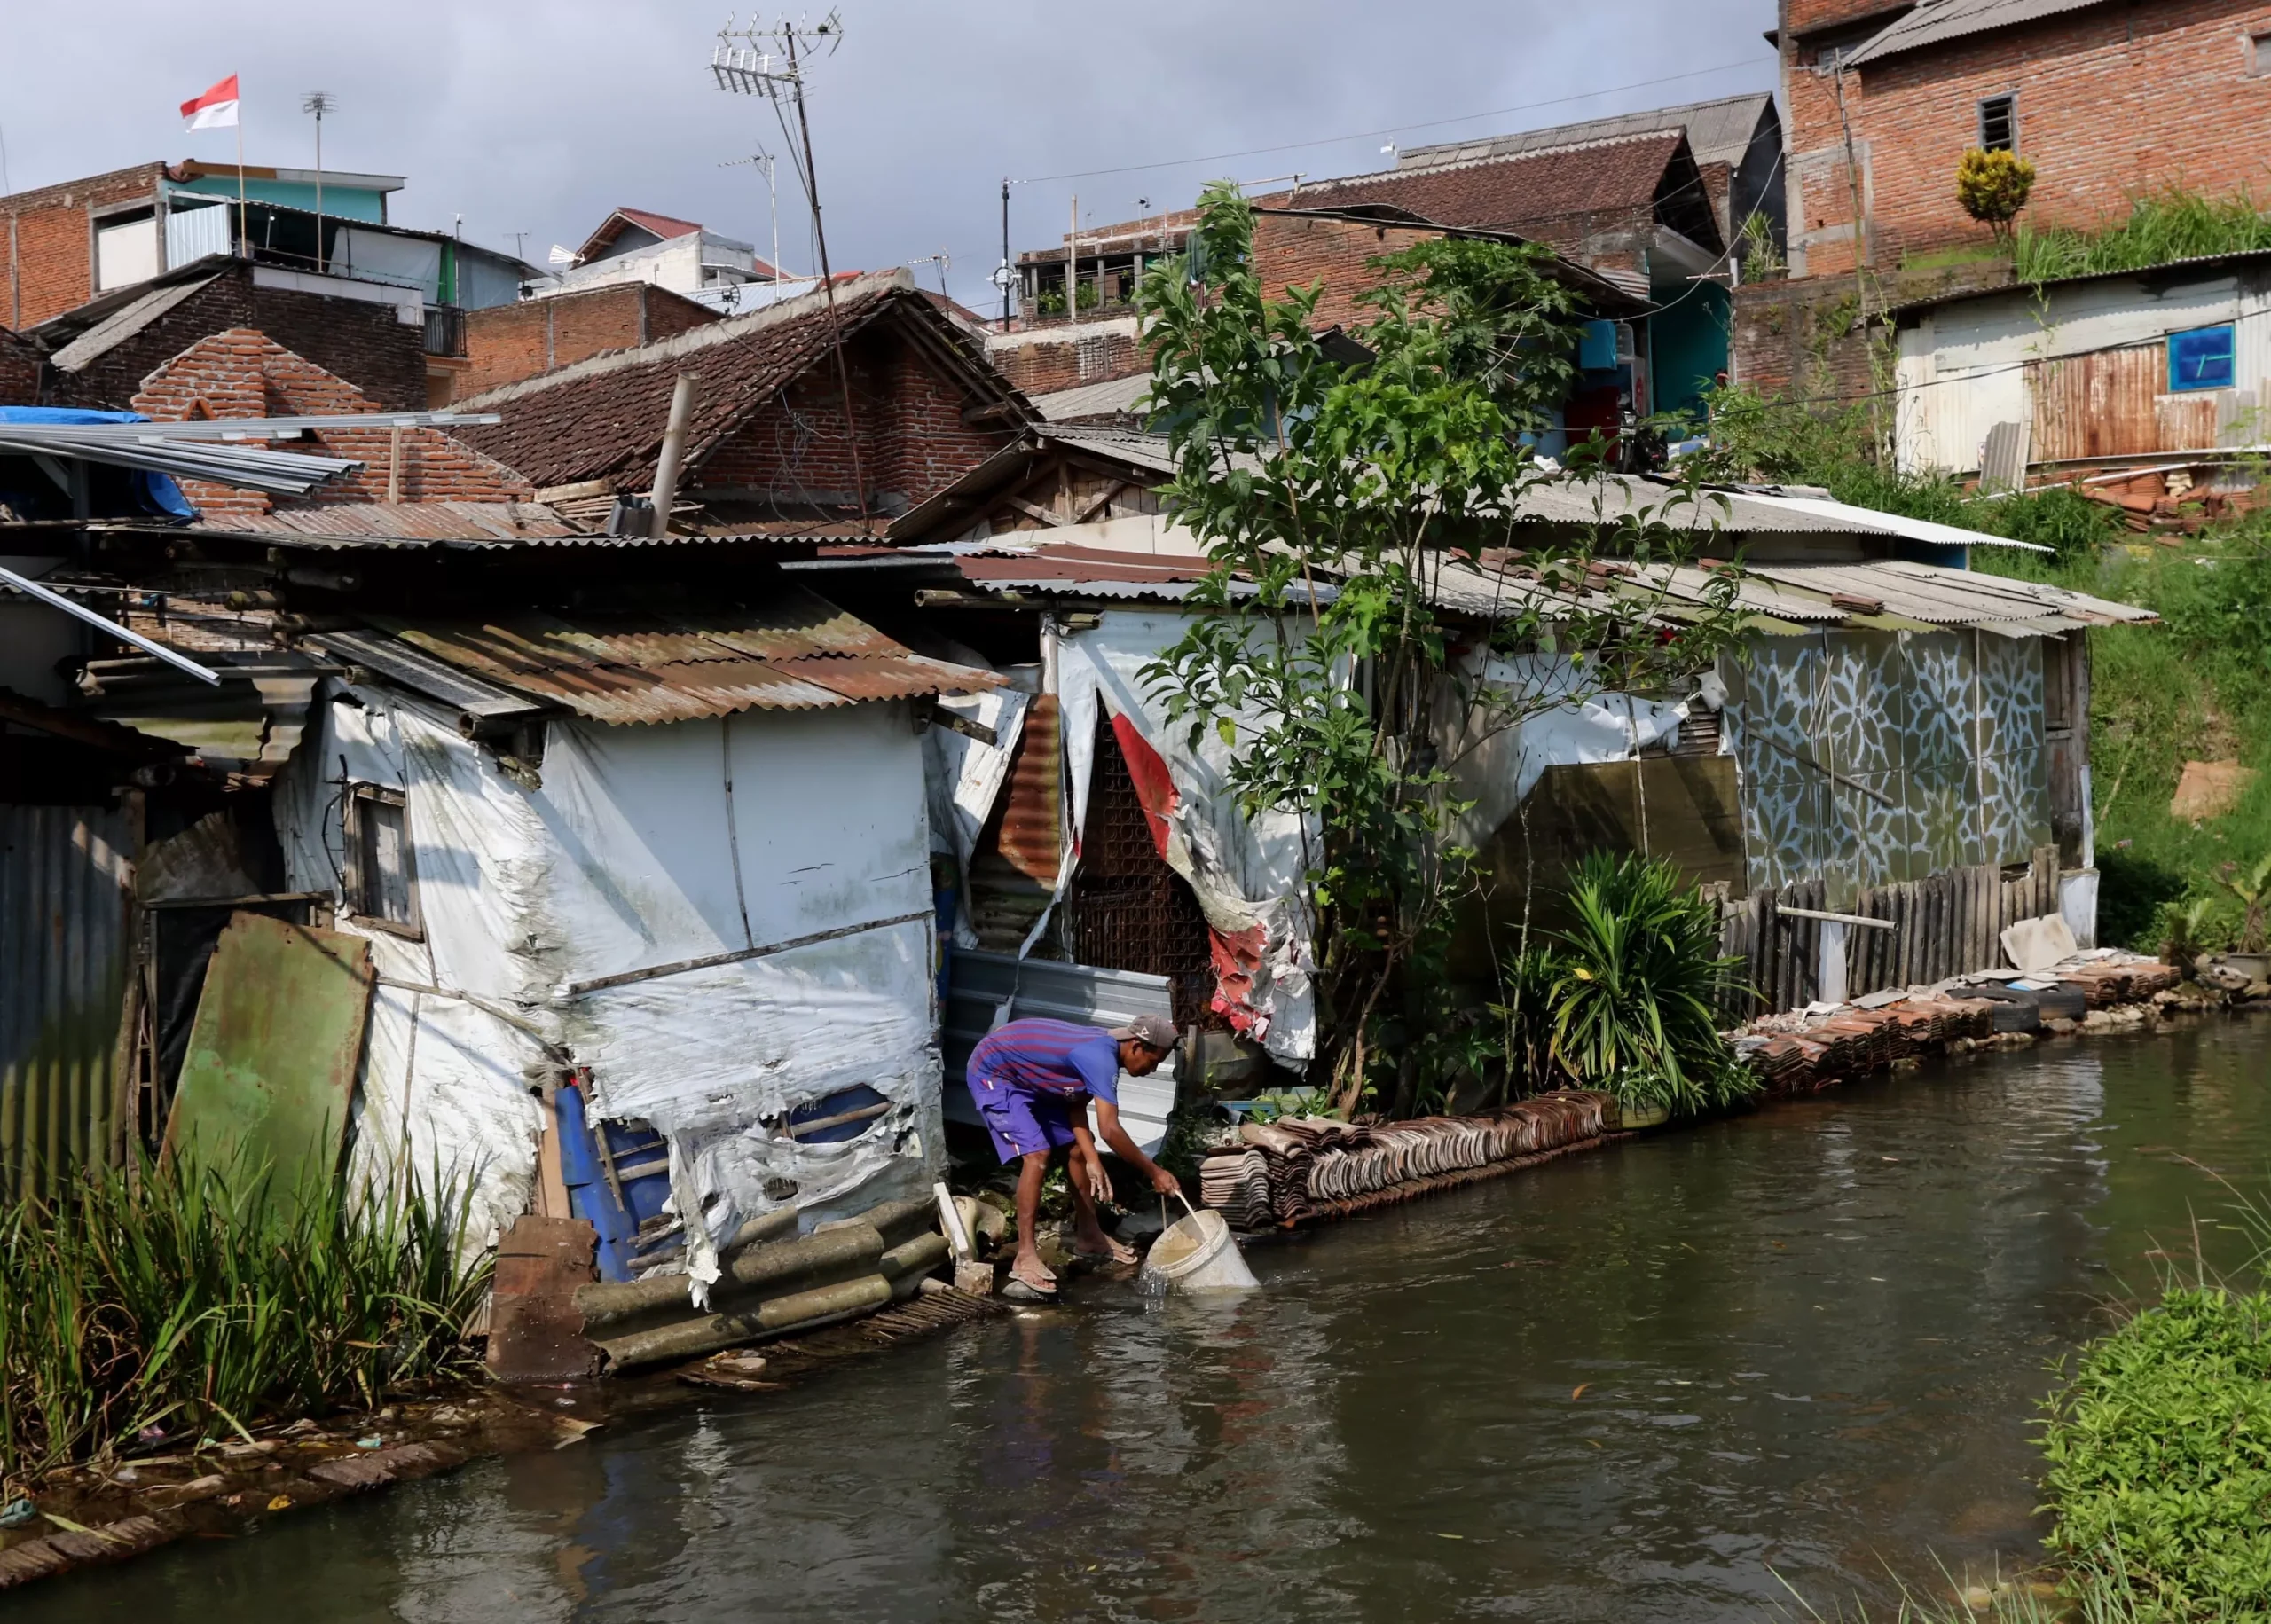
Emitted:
pixel 1999 124
pixel 382 880
pixel 2259 53
pixel 2203 359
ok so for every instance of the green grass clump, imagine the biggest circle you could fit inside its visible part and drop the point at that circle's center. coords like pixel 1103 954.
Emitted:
pixel 2159 1451
pixel 170 1300
pixel 2162 226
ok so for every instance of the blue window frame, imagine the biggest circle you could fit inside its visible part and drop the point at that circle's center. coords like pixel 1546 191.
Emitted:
pixel 2204 358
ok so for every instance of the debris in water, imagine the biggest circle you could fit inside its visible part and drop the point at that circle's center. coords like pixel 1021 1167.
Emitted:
pixel 1578 1391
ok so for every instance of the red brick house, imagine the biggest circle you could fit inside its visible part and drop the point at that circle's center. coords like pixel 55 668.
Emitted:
pixel 768 446
pixel 2107 100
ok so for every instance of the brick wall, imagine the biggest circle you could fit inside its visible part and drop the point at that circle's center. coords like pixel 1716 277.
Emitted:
pixel 47 241
pixel 1295 253
pixel 912 439
pixel 360 341
pixel 244 372
pixel 19 365
pixel 1042 363
pixel 508 342
pixel 2113 101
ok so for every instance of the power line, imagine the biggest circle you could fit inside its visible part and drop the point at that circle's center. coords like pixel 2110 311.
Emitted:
pixel 1394 130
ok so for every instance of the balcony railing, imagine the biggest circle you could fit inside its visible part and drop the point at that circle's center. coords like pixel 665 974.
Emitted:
pixel 444 330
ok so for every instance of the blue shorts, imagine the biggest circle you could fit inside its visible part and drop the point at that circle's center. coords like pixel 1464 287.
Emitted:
pixel 1021 1122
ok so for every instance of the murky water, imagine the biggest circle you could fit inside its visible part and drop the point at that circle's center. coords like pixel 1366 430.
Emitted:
pixel 1809 1342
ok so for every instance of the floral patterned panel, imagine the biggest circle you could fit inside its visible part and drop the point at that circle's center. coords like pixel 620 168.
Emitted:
pixel 1870 758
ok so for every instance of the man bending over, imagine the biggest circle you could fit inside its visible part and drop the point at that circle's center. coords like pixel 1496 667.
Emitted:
pixel 1033 1081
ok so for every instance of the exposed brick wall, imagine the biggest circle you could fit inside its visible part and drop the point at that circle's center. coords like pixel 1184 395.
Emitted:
pixel 1043 362
pixel 508 342
pixel 1295 253
pixel 2113 101
pixel 912 439
pixel 19 366
pixel 359 340
pixel 243 372
pixel 47 241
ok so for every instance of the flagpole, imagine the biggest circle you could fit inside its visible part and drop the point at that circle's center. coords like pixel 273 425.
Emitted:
pixel 244 215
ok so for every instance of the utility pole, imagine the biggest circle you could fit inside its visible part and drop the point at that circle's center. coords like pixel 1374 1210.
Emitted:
pixel 1004 277
pixel 746 70
pixel 318 102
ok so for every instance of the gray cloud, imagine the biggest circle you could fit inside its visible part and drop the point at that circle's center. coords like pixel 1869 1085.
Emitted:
pixel 539 119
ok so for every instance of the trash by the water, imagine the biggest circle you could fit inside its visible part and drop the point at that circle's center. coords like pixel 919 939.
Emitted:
pixel 18 1513
pixel 1196 1253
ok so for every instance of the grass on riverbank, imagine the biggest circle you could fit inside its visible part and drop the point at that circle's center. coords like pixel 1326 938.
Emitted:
pixel 169 1301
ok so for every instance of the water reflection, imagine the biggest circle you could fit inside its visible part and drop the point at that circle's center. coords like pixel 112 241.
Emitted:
pixel 1636 1384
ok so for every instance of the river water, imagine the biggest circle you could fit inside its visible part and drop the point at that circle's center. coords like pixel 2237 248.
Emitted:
pixel 1660 1381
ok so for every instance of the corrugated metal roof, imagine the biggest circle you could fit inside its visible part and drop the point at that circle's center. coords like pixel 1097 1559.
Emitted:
pixel 794 652
pixel 1113 395
pixel 411 522
pixel 1940 596
pixel 1937 22
pixel 1718 131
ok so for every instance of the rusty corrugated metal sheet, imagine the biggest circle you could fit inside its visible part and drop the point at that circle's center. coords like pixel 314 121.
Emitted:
pixel 797 652
pixel 1032 836
pixel 66 952
pixel 2115 403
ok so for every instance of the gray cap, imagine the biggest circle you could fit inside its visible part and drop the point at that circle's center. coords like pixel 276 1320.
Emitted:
pixel 1154 1032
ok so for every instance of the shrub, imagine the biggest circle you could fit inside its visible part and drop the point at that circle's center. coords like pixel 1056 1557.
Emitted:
pixel 171 1299
pixel 2162 226
pixel 2159 1452
pixel 1993 186
pixel 1637 984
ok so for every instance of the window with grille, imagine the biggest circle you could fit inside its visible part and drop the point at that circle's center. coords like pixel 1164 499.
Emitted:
pixel 1999 124
pixel 382 880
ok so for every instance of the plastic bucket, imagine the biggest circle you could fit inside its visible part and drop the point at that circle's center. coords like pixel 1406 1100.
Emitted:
pixel 1196 1253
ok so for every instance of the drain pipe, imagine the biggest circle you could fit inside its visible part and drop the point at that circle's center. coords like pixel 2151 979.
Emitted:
pixel 673 449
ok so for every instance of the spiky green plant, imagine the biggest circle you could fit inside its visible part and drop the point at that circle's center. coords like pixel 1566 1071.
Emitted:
pixel 172 1299
pixel 1639 987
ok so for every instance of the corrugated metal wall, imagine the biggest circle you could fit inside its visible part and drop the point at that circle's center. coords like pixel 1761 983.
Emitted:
pixel 66 950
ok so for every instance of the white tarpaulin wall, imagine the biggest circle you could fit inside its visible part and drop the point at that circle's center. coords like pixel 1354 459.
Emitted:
pixel 1495 766
pixel 1246 873
pixel 964 776
pixel 647 846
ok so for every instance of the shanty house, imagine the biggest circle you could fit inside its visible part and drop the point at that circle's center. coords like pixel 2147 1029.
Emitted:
pixel 2077 376
pixel 1897 725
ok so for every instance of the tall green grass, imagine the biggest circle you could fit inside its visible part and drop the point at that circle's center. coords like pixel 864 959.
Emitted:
pixel 170 1300
pixel 2162 226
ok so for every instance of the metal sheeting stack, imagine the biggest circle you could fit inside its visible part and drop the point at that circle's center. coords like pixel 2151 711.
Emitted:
pixel 1310 1166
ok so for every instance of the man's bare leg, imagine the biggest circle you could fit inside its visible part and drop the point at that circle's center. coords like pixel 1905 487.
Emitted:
pixel 1032 1168
pixel 1089 1238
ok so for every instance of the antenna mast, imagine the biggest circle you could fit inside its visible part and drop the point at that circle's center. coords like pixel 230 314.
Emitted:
pixel 743 69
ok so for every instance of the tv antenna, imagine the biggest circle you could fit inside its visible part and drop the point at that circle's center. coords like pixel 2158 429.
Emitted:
pixel 320 102
pixel 763 160
pixel 769 60
pixel 944 260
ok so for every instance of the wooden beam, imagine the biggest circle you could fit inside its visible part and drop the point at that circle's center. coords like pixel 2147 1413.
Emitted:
pixel 1034 510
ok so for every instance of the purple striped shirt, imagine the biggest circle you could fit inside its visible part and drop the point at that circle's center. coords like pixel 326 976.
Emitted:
pixel 1043 1057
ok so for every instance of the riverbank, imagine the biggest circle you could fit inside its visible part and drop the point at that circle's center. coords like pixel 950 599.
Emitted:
pixel 87 1515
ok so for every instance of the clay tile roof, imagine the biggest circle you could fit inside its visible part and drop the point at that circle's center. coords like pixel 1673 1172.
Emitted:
pixel 603 418
pixel 665 226
pixel 1557 196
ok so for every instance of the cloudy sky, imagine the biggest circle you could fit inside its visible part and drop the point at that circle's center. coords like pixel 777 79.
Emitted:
pixel 538 119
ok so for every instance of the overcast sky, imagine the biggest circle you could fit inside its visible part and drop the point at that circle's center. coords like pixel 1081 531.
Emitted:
pixel 539 118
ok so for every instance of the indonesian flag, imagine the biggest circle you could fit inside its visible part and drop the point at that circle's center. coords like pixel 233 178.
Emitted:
pixel 217 109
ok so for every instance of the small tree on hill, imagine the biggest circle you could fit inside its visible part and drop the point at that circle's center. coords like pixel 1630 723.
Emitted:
pixel 1993 186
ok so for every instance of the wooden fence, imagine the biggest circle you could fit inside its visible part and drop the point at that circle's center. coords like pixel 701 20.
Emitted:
pixel 1947 925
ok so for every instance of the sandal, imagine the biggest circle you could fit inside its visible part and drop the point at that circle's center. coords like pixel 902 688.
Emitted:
pixel 1115 1252
pixel 1045 1284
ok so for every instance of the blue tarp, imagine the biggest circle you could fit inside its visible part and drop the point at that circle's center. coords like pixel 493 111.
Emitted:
pixel 154 493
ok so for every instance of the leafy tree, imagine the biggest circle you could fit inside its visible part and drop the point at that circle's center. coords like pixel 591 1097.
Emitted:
pixel 1344 508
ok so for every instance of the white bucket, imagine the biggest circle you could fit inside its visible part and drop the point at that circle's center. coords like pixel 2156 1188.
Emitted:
pixel 1196 1253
